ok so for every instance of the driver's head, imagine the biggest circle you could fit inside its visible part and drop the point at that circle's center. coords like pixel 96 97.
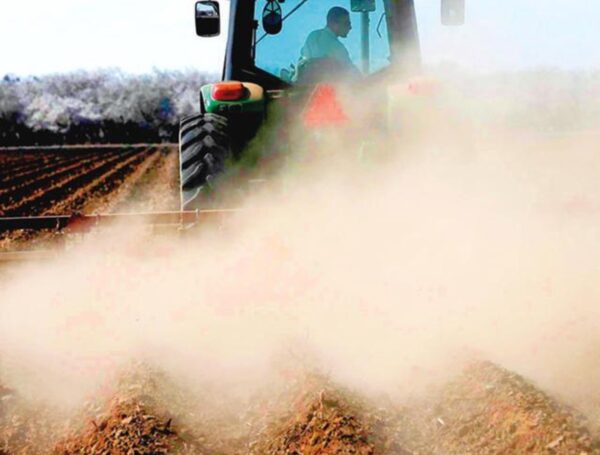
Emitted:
pixel 338 21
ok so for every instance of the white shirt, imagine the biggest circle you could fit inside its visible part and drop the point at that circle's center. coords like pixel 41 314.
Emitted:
pixel 324 43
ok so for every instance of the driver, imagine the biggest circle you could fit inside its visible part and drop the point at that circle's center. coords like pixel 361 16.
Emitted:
pixel 325 43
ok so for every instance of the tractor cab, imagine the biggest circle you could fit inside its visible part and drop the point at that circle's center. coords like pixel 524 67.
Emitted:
pixel 288 55
pixel 268 41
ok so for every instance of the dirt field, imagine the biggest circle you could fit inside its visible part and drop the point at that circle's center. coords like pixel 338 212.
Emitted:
pixel 83 180
pixel 485 409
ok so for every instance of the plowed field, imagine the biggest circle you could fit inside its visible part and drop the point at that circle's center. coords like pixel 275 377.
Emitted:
pixel 483 410
pixel 83 180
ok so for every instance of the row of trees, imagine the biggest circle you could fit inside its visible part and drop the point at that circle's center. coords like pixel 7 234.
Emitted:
pixel 111 106
pixel 99 107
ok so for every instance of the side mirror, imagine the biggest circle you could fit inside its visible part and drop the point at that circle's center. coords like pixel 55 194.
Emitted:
pixel 208 18
pixel 272 18
pixel 453 12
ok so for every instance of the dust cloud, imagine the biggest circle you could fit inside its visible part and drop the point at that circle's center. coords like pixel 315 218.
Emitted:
pixel 468 242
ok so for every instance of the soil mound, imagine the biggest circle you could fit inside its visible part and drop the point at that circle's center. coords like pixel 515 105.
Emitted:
pixel 485 410
pixel 324 419
pixel 489 410
pixel 25 427
pixel 143 417
pixel 134 418
pixel 128 426
pixel 326 426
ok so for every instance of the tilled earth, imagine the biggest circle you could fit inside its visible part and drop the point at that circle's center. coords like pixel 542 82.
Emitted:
pixel 85 180
pixel 484 410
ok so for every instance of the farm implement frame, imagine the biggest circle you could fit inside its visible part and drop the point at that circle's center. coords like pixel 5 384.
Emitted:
pixel 82 224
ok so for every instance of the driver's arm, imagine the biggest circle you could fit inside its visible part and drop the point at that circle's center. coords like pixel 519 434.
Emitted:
pixel 341 54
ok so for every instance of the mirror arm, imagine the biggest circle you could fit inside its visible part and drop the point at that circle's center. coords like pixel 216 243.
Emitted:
pixel 296 8
pixel 383 16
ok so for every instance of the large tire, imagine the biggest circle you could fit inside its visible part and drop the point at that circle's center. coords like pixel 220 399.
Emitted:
pixel 204 148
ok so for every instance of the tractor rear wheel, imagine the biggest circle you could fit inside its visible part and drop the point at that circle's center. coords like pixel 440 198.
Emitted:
pixel 204 148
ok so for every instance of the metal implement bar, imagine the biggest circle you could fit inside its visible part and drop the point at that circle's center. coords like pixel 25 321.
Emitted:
pixel 83 223
pixel 38 148
pixel 12 257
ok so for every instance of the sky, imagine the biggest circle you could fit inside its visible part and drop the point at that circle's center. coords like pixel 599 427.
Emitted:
pixel 137 36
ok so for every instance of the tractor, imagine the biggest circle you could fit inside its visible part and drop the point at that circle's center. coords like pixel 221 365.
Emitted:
pixel 268 73
pixel 269 78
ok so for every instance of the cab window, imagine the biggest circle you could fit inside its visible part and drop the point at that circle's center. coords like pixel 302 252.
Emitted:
pixel 280 54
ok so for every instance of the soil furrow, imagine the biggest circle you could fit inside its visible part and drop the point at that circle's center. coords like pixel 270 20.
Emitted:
pixel 151 180
pixel 126 190
pixel 47 176
pixel 26 162
pixel 45 198
pixel 103 183
pixel 35 171
pixel 16 168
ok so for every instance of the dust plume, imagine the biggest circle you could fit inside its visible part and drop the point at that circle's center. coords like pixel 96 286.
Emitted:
pixel 388 276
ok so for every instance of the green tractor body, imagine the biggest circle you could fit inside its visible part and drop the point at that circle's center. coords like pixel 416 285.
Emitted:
pixel 285 58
